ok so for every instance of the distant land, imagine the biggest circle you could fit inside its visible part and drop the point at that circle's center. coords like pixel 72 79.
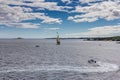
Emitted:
pixel 114 38
pixel 19 38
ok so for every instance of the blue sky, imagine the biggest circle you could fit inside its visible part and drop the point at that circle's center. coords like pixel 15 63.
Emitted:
pixel 71 18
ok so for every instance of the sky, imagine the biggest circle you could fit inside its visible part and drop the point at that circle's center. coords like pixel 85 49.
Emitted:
pixel 71 18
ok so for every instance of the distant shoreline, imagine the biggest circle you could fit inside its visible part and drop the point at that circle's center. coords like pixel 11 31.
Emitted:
pixel 114 38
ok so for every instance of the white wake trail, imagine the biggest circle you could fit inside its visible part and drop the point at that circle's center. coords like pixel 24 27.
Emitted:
pixel 103 67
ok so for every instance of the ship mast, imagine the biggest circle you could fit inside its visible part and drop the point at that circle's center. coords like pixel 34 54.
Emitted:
pixel 58 39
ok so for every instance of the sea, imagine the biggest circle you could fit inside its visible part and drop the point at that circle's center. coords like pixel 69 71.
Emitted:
pixel 42 59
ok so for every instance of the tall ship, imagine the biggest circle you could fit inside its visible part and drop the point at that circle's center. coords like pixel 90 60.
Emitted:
pixel 58 39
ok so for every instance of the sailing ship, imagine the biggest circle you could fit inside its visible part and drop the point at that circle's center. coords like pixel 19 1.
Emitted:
pixel 58 39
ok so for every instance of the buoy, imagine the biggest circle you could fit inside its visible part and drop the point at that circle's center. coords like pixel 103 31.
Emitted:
pixel 37 46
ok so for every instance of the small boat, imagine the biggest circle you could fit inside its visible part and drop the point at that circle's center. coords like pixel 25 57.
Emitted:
pixel 91 61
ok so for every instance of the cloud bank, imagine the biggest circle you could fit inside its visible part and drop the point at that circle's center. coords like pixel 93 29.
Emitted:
pixel 104 31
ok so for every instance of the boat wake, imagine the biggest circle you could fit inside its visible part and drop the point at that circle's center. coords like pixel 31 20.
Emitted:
pixel 103 67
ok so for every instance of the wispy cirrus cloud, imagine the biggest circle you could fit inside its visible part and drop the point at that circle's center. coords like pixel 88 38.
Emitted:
pixel 21 25
pixel 52 29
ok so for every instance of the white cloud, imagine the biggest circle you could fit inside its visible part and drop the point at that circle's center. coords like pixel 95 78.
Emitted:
pixel 20 2
pixel 88 1
pixel 21 25
pixel 52 29
pixel 80 1
pixel 50 6
pixel 68 1
pixel 108 10
pixel 51 20
pixel 17 14
pixel 78 19
pixel 41 4
pixel 65 0
pixel 98 32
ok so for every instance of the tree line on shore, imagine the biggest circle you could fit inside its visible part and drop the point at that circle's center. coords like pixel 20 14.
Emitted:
pixel 114 38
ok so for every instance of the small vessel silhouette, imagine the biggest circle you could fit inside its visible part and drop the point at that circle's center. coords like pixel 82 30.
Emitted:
pixel 58 39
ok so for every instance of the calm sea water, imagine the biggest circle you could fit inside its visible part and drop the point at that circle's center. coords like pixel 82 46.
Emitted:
pixel 74 53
